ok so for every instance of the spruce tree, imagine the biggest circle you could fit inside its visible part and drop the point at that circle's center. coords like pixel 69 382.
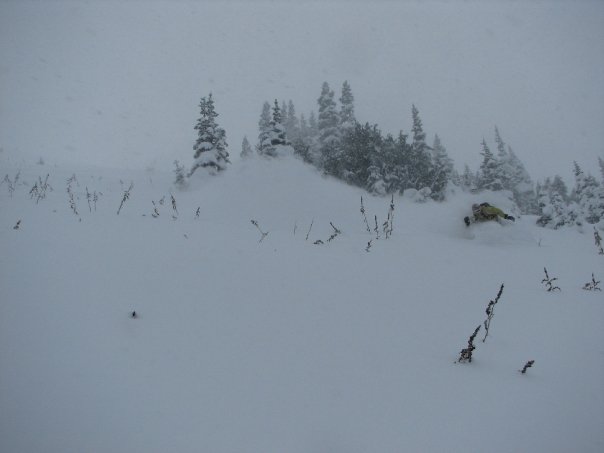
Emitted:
pixel 303 142
pixel 553 210
pixel 504 167
pixel 488 177
pixel 347 119
pixel 558 185
pixel 376 182
pixel 587 196
pixel 264 127
pixel 291 122
pixel 361 144
pixel 246 149
pixel 180 179
pixel 520 183
pixel 329 136
pixel 441 170
pixel 419 164
pixel 211 147
pixel 279 145
pixel 468 179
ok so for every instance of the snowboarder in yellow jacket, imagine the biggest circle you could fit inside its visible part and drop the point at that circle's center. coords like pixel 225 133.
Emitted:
pixel 484 211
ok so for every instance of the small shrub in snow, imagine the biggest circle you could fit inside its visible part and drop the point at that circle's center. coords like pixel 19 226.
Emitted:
pixel 11 184
pixel 259 229
pixel 466 354
pixel 593 285
pixel 125 197
pixel 309 229
pixel 17 225
pixel 336 232
pixel 174 205
pixel 598 240
pixel 388 224
pixel 365 217
pixel 491 312
pixel 527 365
pixel 38 191
pixel 134 315
pixel 155 213
pixel 73 179
pixel 376 228
pixel 549 282
pixel 180 178
pixel 368 246
pixel 72 203
pixel 198 212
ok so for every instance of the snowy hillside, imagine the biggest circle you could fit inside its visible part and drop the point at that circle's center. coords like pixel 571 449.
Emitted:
pixel 251 343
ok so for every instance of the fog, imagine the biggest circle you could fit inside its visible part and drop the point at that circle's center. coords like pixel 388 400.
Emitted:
pixel 119 83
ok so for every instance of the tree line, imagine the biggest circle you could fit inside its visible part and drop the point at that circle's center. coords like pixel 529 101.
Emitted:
pixel 339 145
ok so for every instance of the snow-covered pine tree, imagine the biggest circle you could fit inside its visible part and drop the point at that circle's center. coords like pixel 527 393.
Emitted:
pixel 246 149
pixel 419 163
pixel 361 144
pixel 504 168
pixel 601 164
pixel 211 147
pixel 521 184
pixel 554 211
pixel 376 182
pixel 488 175
pixel 558 185
pixel 391 155
pixel 442 168
pixel 280 146
pixel 329 134
pixel 468 179
pixel 291 122
pixel 303 142
pixel 586 195
pixel 347 118
pixel 264 127
pixel 180 179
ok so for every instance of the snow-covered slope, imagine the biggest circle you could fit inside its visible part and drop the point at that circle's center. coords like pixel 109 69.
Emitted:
pixel 283 345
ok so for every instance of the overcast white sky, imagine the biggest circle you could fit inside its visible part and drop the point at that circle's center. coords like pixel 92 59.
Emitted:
pixel 118 83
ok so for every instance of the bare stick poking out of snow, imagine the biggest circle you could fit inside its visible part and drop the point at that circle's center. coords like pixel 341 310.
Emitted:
pixel 527 365
pixel 125 197
pixel 255 223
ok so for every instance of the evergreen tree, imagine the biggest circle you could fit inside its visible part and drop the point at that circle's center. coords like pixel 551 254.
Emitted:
pixel 329 136
pixel 302 143
pixel 442 169
pixel 180 179
pixel 362 144
pixel 488 177
pixel 505 168
pixel 283 113
pixel 246 149
pixel 554 212
pixel 558 185
pixel 587 196
pixel 418 165
pixel 278 136
pixel 291 123
pixel 312 139
pixel 279 145
pixel 376 182
pixel 468 179
pixel 264 126
pixel 211 147
pixel 347 119
pixel 601 164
